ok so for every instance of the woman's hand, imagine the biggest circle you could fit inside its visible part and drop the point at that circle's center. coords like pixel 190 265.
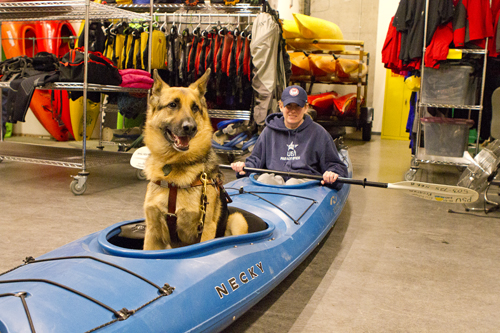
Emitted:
pixel 238 167
pixel 329 177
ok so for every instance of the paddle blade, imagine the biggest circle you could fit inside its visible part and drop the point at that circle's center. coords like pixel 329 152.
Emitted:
pixel 437 192
pixel 139 157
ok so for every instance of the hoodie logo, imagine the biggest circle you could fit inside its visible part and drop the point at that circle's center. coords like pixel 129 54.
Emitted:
pixel 291 154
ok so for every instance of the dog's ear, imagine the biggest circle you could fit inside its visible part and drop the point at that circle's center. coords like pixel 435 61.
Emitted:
pixel 157 87
pixel 158 82
pixel 201 83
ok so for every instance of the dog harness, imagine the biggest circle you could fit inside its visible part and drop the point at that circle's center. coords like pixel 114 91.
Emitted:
pixel 171 217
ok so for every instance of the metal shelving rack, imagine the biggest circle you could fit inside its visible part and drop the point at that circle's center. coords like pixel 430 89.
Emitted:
pixel 363 118
pixel 65 10
pixel 420 155
pixel 88 11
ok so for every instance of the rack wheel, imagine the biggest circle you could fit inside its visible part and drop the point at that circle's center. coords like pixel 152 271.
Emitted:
pixel 366 134
pixel 1 160
pixel 230 158
pixel 76 188
pixel 410 174
pixel 140 174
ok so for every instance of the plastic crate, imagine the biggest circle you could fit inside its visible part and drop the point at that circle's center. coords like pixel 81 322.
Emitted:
pixel 452 85
pixel 446 136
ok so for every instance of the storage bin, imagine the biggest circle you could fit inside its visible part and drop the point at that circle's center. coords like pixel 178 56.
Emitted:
pixel 452 85
pixel 446 136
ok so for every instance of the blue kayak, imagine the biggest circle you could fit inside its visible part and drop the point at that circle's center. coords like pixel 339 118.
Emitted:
pixel 105 282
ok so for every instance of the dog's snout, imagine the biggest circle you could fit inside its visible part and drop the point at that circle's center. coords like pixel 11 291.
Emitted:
pixel 189 127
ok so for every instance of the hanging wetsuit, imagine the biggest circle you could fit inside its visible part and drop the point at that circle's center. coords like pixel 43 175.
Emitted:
pixel 200 69
pixel 247 75
pixel 143 54
pixel 134 49
pixel 118 45
pixel 192 57
pixel 110 40
pixel 209 64
pixel 197 59
pixel 231 71
pixel 185 46
pixel 97 38
pixel 213 80
pixel 127 44
pixel 240 72
pixel 221 75
pixel 172 64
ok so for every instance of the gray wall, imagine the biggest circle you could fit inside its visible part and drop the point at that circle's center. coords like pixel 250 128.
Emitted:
pixel 358 20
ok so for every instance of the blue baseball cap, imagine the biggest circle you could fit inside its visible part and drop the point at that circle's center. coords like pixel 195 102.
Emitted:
pixel 294 94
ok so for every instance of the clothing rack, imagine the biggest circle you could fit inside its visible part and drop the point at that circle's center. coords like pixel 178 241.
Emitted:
pixel 421 154
pixel 176 18
pixel 200 18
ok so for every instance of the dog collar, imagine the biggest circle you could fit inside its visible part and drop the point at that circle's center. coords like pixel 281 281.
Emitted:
pixel 164 183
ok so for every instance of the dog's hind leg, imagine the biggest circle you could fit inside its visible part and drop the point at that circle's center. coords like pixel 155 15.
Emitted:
pixel 236 225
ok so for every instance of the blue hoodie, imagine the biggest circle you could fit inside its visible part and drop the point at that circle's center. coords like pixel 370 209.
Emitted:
pixel 307 149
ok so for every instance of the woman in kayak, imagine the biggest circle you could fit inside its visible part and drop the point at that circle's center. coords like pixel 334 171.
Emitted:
pixel 292 141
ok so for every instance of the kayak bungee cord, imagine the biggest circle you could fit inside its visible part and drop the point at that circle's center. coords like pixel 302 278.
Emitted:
pixel 22 296
pixel 165 290
pixel 120 315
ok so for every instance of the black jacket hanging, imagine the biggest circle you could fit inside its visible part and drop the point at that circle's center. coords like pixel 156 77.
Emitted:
pixel 172 64
pixel 185 46
pixel 192 57
pixel 202 57
pixel 231 72
pixel 239 71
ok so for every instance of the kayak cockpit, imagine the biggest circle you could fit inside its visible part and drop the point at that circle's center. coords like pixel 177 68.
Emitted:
pixel 127 238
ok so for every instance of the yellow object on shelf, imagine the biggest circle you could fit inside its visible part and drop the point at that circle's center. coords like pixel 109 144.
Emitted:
pixel 413 83
pixel 316 28
pixel 76 112
pixel 290 29
pixel 454 54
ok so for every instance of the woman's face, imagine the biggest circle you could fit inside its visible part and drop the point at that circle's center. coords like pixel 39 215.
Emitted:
pixel 293 114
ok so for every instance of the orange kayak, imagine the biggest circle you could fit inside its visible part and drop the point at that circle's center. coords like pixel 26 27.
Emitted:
pixel 300 63
pixel 19 39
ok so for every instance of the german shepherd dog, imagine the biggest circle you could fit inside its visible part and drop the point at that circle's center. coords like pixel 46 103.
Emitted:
pixel 185 201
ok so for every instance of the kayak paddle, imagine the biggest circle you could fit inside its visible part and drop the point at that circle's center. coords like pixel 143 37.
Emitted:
pixel 435 192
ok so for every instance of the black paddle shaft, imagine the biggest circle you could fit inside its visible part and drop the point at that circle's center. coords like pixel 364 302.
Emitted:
pixel 351 181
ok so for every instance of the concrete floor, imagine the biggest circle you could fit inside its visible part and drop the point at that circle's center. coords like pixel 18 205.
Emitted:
pixel 392 263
